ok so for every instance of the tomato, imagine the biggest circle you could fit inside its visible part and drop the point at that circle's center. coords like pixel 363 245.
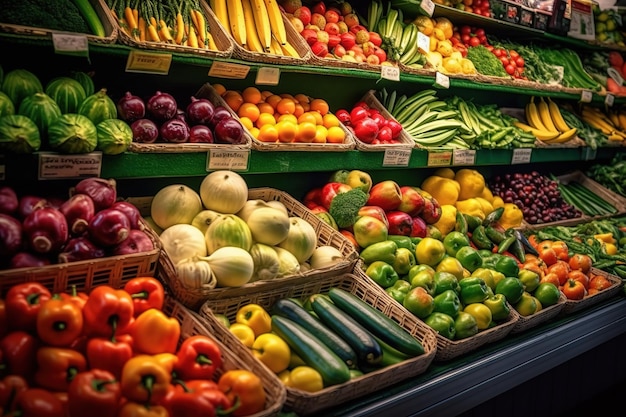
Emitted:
pixel 480 31
pixel 465 38
pixel 505 60
pixel 519 61
pixel 574 290
pixel 513 54
pixel 561 249
pixel 498 52
pixel 466 30
pixel 580 261
pixel 598 283
pixel 474 41
pixel 483 39
pixel 485 6
pixel 578 275
pixel 561 269
pixel 510 69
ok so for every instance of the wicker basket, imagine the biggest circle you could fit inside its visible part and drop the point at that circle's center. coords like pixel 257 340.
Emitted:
pixel 207 92
pixel 112 270
pixel 306 403
pixel 326 235
pixel 222 39
pixel 571 306
pixel 109 24
pixel 616 200
pixel 527 322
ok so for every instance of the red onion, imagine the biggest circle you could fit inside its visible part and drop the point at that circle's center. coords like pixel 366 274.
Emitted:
pixel 220 114
pixel 8 200
pixel 103 192
pixel 10 236
pixel 200 134
pixel 78 211
pixel 174 131
pixel 131 108
pixel 108 227
pixel 80 249
pixel 131 211
pixel 29 260
pixel 30 203
pixel 136 242
pixel 180 115
pixel 144 131
pixel 45 230
pixel 162 106
pixel 229 131
pixel 200 111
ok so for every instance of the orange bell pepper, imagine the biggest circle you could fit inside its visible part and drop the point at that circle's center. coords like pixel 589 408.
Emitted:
pixel 243 387
pixel 59 322
pixel 145 380
pixel 56 367
pixel 155 332
pixel 107 311
pixel 78 297
pixel 133 409
pixel 167 360
pixel 146 292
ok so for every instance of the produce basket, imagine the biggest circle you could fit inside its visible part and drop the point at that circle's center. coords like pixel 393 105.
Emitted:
pixel 616 200
pixel 208 92
pixel 111 270
pixel 108 22
pixel 306 403
pixel 221 38
pixel 527 322
pixel 326 235
pixel 571 306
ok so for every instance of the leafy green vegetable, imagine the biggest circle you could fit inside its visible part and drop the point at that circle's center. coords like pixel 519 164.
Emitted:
pixel 345 206
pixel 485 61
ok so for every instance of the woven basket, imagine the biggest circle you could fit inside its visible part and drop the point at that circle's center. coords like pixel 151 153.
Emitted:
pixel 222 39
pixel 112 270
pixel 527 322
pixel 618 201
pixel 207 92
pixel 326 235
pixel 306 403
pixel 111 28
pixel 571 306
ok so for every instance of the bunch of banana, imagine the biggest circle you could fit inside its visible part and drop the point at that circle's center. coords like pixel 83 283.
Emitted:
pixel 611 126
pixel 546 122
pixel 256 25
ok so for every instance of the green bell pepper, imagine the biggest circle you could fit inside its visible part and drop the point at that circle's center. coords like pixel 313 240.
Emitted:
pixel 473 290
pixel 499 307
pixel 512 288
pixel 419 302
pixel 402 241
pixel 465 326
pixel 382 273
pixel 442 324
pixel 448 302
pixel 445 281
pixel 380 251
pixel 399 290
pixel 454 241
pixel 424 279
pixel 404 261
pixel 507 265
pixel 470 258
pixel 529 278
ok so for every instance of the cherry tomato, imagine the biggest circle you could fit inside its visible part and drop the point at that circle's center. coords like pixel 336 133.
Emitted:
pixel 474 41
pixel 504 60
pixel 466 30
pixel 498 52
pixel 519 61
pixel 513 54
pixel 510 69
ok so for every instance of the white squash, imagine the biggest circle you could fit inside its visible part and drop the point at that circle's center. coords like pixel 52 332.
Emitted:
pixel 301 239
pixel 289 264
pixel 195 272
pixel 325 256
pixel 182 241
pixel 228 230
pixel 231 266
pixel 173 204
pixel 268 225
pixel 278 205
pixel 204 219
pixel 266 262
pixel 224 191
pixel 250 206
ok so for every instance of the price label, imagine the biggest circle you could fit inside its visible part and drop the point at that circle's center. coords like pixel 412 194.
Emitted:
pixel 234 160
pixel 589 153
pixel 148 62
pixel 442 80
pixel 229 70
pixel 586 96
pixel 64 43
pixel 428 7
pixel 521 156
pixel 267 76
pixel 390 72
pixel 615 75
pixel 423 43
pixel 58 166
pixel 463 157
pixel 439 159
pixel 397 157
pixel 609 100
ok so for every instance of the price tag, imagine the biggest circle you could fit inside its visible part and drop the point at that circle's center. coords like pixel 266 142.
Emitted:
pixel 463 157
pixel 615 75
pixel 267 76
pixel 58 166
pixel 64 43
pixel 228 70
pixel 423 43
pixel 521 156
pixel 148 62
pixel 439 159
pixel 397 157
pixel 234 160
pixel 586 96
pixel 428 7
pixel 589 153
pixel 390 72
pixel 442 80
pixel 609 100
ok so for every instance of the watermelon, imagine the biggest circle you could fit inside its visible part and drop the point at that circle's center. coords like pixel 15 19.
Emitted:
pixel 20 83
pixel 41 109
pixel 85 80
pixel 98 107
pixel 114 136
pixel 19 134
pixel 6 105
pixel 72 133
pixel 68 93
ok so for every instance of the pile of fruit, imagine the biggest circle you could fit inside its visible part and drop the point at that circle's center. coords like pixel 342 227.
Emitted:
pixel 370 125
pixel 546 122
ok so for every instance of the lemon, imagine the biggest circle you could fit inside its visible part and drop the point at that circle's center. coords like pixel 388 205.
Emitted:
pixel 611 25
pixel 602 17
pixel 601 27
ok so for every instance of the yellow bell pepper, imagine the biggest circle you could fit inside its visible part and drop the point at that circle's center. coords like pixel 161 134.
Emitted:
pixel 303 378
pixel 445 190
pixel 471 181
pixel 605 237
pixel 610 248
pixel 481 313
pixel 272 351
pixel 256 317
pixel 472 207
pixel 447 221
pixel 155 332
pixel 244 333
pixel 512 216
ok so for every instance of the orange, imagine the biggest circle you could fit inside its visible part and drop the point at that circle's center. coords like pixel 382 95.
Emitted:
pixel 330 120
pixel 286 106
pixel 318 117
pixel 320 134
pixel 302 98
pixel 265 119
pixel 299 110
pixel 287 95
pixel 288 118
pixel 307 117
pixel 287 131
pixel 319 105
pixel 254 131
pixel 265 108
pixel 265 94
pixel 219 88
pixel 273 100
pixel 233 99
pixel 249 110
pixel 268 133
pixel 306 132
pixel 246 122
pixel 251 95
pixel 335 135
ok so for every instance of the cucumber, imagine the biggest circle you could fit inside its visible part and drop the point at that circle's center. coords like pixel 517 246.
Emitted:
pixel 367 349
pixel 313 352
pixel 376 322
pixel 292 310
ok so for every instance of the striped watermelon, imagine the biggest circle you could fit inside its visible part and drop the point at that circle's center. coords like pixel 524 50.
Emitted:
pixel 68 93
pixel 19 83
pixel 85 80
pixel 98 107
pixel 6 105
pixel 41 109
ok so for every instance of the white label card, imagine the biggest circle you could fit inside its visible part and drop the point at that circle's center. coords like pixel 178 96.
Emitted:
pixel 148 62
pixel 64 43
pixel 267 76
pixel 586 96
pixel 463 157
pixel 397 157
pixel 423 43
pixel 615 75
pixel 521 156
pixel 609 100
pixel 390 72
pixel 442 80
pixel 228 70
pixel 428 6
pixel 234 160
pixel 589 154
pixel 438 159
pixel 60 166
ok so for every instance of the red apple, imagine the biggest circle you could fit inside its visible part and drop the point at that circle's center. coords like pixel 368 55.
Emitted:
pixel 366 129
pixel 304 14
pixel 319 7
pixel 333 41
pixel 332 16
pixel 309 35
pixel 348 40
pixel 332 28
pixel 330 190
pixel 351 20
pixel 313 197
pixel 412 201
pixel 369 230
pixel 318 209
pixel 419 227
pixel 400 223
pixel 374 211
pixel 385 194
pixel 339 51
pixel 432 211
pixel 320 49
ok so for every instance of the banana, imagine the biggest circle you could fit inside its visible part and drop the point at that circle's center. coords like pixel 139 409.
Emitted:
pixel 262 22
pixel 275 47
pixel 614 118
pixel 598 121
pixel 237 21
pixel 253 42
pixel 532 115
pixel 564 137
pixel 221 12
pixel 622 120
pixel 289 50
pixel 540 134
pixel 557 117
pixel 276 21
pixel 544 115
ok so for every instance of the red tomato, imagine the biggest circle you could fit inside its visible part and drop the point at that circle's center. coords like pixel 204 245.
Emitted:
pixel 574 290
pixel 505 60
pixel 510 69
pixel 465 38
pixel 474 41
pixel 519 61
pixel 485 6
pixel 479 32
pixel 513 54
pixel 581 262
pixel 466 30
pixel 483 39
pixel 498 52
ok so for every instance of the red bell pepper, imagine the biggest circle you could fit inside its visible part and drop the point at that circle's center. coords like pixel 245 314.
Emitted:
pixel 59 322
pixel 78 297
pixel 109 354
pixel 38 402
pixel 22 304
pixel 146 292
pixel 19 350
pixel 198 358
pixel 107 311
pixel 94 393
pixel 10 387
pixel 199 397
pixel 56 367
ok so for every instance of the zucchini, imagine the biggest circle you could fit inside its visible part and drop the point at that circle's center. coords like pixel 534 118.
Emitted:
pixel 91 17
pixel 313 352
pixel 376 322
pixel 292 310
pixel 367 349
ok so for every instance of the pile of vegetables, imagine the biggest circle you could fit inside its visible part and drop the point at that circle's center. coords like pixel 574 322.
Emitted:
pixel 583 198
pixel 612 175
pixel 113 351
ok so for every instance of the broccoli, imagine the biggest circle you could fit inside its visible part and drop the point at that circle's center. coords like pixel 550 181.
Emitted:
pixel 345 206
